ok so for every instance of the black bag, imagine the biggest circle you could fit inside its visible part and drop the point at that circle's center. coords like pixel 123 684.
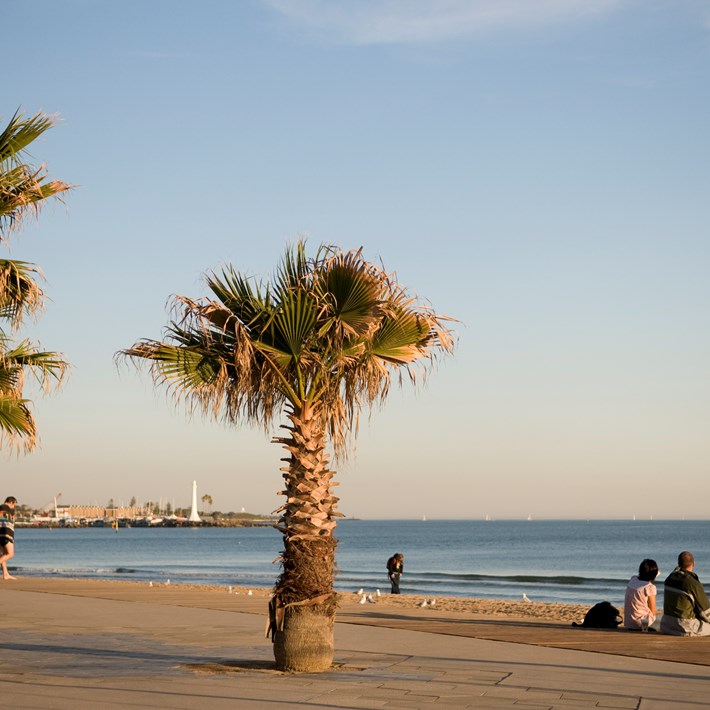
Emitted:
pixel 601 616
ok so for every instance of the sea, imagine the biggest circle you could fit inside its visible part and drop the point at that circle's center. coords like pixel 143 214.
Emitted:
pixel 567 561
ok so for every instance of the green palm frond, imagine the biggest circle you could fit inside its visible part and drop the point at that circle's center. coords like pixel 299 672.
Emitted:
pixel 19 292
pixel 294 320
pixel 401 338
pixel 20 132
pixel 47 367
pixel 23 188
pixel 239 295
pixel 354 291
pixel 11 378
pixel 17 425
pixel 184 368
pixel 293 269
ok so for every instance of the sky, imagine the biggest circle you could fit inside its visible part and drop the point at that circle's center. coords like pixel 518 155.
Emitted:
pixel 536 170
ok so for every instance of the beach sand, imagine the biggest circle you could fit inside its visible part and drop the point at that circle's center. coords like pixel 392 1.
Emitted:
pixel 253 599
pixel 494 608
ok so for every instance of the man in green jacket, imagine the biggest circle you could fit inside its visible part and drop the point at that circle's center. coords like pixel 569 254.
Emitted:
pixel 686 607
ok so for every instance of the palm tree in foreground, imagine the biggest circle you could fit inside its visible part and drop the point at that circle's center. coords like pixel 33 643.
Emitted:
pixel 23 189
pixel 318 342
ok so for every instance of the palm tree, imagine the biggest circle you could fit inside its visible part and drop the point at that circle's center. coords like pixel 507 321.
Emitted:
pixel 319 342
pixel 206 500
pixel 23 189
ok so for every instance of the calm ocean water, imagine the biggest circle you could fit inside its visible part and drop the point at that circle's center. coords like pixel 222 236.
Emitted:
pixel 560 561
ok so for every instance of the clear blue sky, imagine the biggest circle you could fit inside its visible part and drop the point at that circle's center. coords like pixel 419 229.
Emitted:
pixel 538 170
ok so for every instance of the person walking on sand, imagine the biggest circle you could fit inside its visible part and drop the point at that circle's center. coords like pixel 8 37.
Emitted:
pixel 395 569
pixel 686 607
pixel 7 534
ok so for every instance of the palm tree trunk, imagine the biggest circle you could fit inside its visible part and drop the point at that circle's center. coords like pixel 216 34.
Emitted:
pixel 304 603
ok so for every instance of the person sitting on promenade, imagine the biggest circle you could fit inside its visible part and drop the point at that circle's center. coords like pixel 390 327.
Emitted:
pixel 685 603
pixel 640 599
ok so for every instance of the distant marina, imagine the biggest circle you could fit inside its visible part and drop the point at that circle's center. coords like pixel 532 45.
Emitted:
pixel 149 515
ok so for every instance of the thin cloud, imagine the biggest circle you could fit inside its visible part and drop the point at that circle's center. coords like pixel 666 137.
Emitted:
pixel 409 21
pixel 155 54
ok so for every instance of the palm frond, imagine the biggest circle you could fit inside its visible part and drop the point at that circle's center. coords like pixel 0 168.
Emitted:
pixel 353 289
pixel 47 367
pixel 23 188
pixel 19 292
pixel 184 368
pixel 20 132
pixel 241 297
pixel 294 320
pixel 17 425
pixel 293 268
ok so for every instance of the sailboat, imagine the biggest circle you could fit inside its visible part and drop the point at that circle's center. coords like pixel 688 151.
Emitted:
pixel 424 518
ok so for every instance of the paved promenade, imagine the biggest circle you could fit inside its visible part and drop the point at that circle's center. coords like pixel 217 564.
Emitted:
pixel 59 650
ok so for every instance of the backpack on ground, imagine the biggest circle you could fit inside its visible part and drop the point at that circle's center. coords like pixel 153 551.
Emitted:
pixel 601 616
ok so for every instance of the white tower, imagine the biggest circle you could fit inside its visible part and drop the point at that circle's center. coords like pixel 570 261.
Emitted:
pixel 194 517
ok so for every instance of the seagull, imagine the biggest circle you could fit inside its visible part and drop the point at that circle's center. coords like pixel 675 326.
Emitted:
pixel 150 584
pixel 424 603
pixel 432 602
pixel 168 582
pixel 525 597
pixel 360 591
pixel 370 599
pixel 378 592
pixel 229 589
pixel 249 593
pixel 363 600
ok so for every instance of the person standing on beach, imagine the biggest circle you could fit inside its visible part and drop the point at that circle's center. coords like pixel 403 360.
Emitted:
pixel 395 569
pixel 7 534
pixel 686 607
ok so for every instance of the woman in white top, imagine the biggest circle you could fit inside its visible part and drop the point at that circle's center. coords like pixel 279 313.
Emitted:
pixel 640 600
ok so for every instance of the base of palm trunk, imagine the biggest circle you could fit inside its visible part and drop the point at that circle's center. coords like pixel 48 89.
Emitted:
pixel 305 645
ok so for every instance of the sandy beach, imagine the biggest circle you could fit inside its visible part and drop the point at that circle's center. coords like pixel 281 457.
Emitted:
pixel 493 608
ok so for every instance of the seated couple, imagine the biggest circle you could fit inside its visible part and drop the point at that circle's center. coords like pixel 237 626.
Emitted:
pixel 686 608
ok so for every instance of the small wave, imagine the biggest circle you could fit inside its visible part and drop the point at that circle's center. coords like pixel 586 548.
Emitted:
pixel 453 578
